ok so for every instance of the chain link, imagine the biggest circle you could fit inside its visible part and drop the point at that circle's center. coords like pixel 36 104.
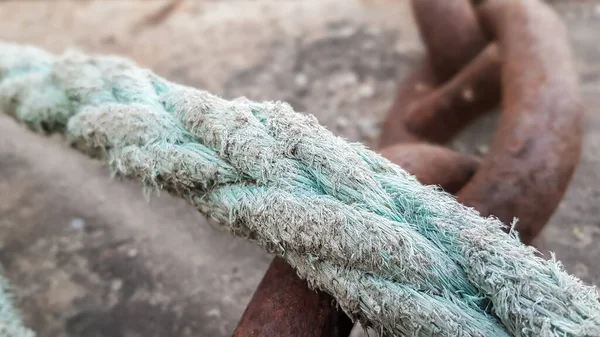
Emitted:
pixel 476 55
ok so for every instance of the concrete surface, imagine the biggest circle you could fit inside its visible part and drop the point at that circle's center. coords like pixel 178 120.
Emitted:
pixel 89 256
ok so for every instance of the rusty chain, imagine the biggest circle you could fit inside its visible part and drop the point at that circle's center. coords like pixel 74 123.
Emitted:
pixel 508 51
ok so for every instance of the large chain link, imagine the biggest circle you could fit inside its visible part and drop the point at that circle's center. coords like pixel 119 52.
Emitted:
pixel 509 51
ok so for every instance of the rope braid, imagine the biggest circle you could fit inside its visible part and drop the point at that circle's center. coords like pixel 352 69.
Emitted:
pixel 404 258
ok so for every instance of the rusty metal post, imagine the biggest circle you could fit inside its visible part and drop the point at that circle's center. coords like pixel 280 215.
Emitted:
pixel 284 306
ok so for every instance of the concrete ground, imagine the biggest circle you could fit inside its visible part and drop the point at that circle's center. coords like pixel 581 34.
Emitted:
pixel 90 256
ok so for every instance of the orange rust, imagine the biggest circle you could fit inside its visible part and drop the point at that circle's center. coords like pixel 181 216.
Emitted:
pixel 530 162
pixel 453 38
pixel 419 82
pixel 438 116
pixel 284 306
pixel 451 34
pixel 537 145
pixel 433 165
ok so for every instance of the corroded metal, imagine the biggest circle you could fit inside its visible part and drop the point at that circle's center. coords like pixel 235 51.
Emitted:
pixel 433 165
pixel 514 50
pixel 473 91
pixel 536 148
pixel 451 34
pixel 283 305
pixel 453 39
pixel 537 145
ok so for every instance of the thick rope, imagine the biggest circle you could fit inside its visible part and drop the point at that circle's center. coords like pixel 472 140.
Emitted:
pixel 404 258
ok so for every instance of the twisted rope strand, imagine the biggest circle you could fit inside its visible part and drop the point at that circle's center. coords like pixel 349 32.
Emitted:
pixel 405 258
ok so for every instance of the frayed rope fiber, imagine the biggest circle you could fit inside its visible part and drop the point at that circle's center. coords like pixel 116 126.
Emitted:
pixel 10 321
pixel 404 258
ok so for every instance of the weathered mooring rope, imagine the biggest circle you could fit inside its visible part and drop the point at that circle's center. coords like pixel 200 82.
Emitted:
pixel 405 258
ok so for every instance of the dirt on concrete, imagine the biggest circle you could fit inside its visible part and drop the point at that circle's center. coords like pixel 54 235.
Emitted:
pixel 90 256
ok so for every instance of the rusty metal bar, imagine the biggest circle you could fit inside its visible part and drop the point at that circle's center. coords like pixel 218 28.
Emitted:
pixel 537 145
pixel 451 34
pixel 474 90
pixel 453 38
pixel 420 82
pixel 529 164
pixel 434 165
pixel 283 305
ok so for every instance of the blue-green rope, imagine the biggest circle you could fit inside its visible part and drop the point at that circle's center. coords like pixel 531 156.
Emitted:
pixel 10 321
pixel 404 258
